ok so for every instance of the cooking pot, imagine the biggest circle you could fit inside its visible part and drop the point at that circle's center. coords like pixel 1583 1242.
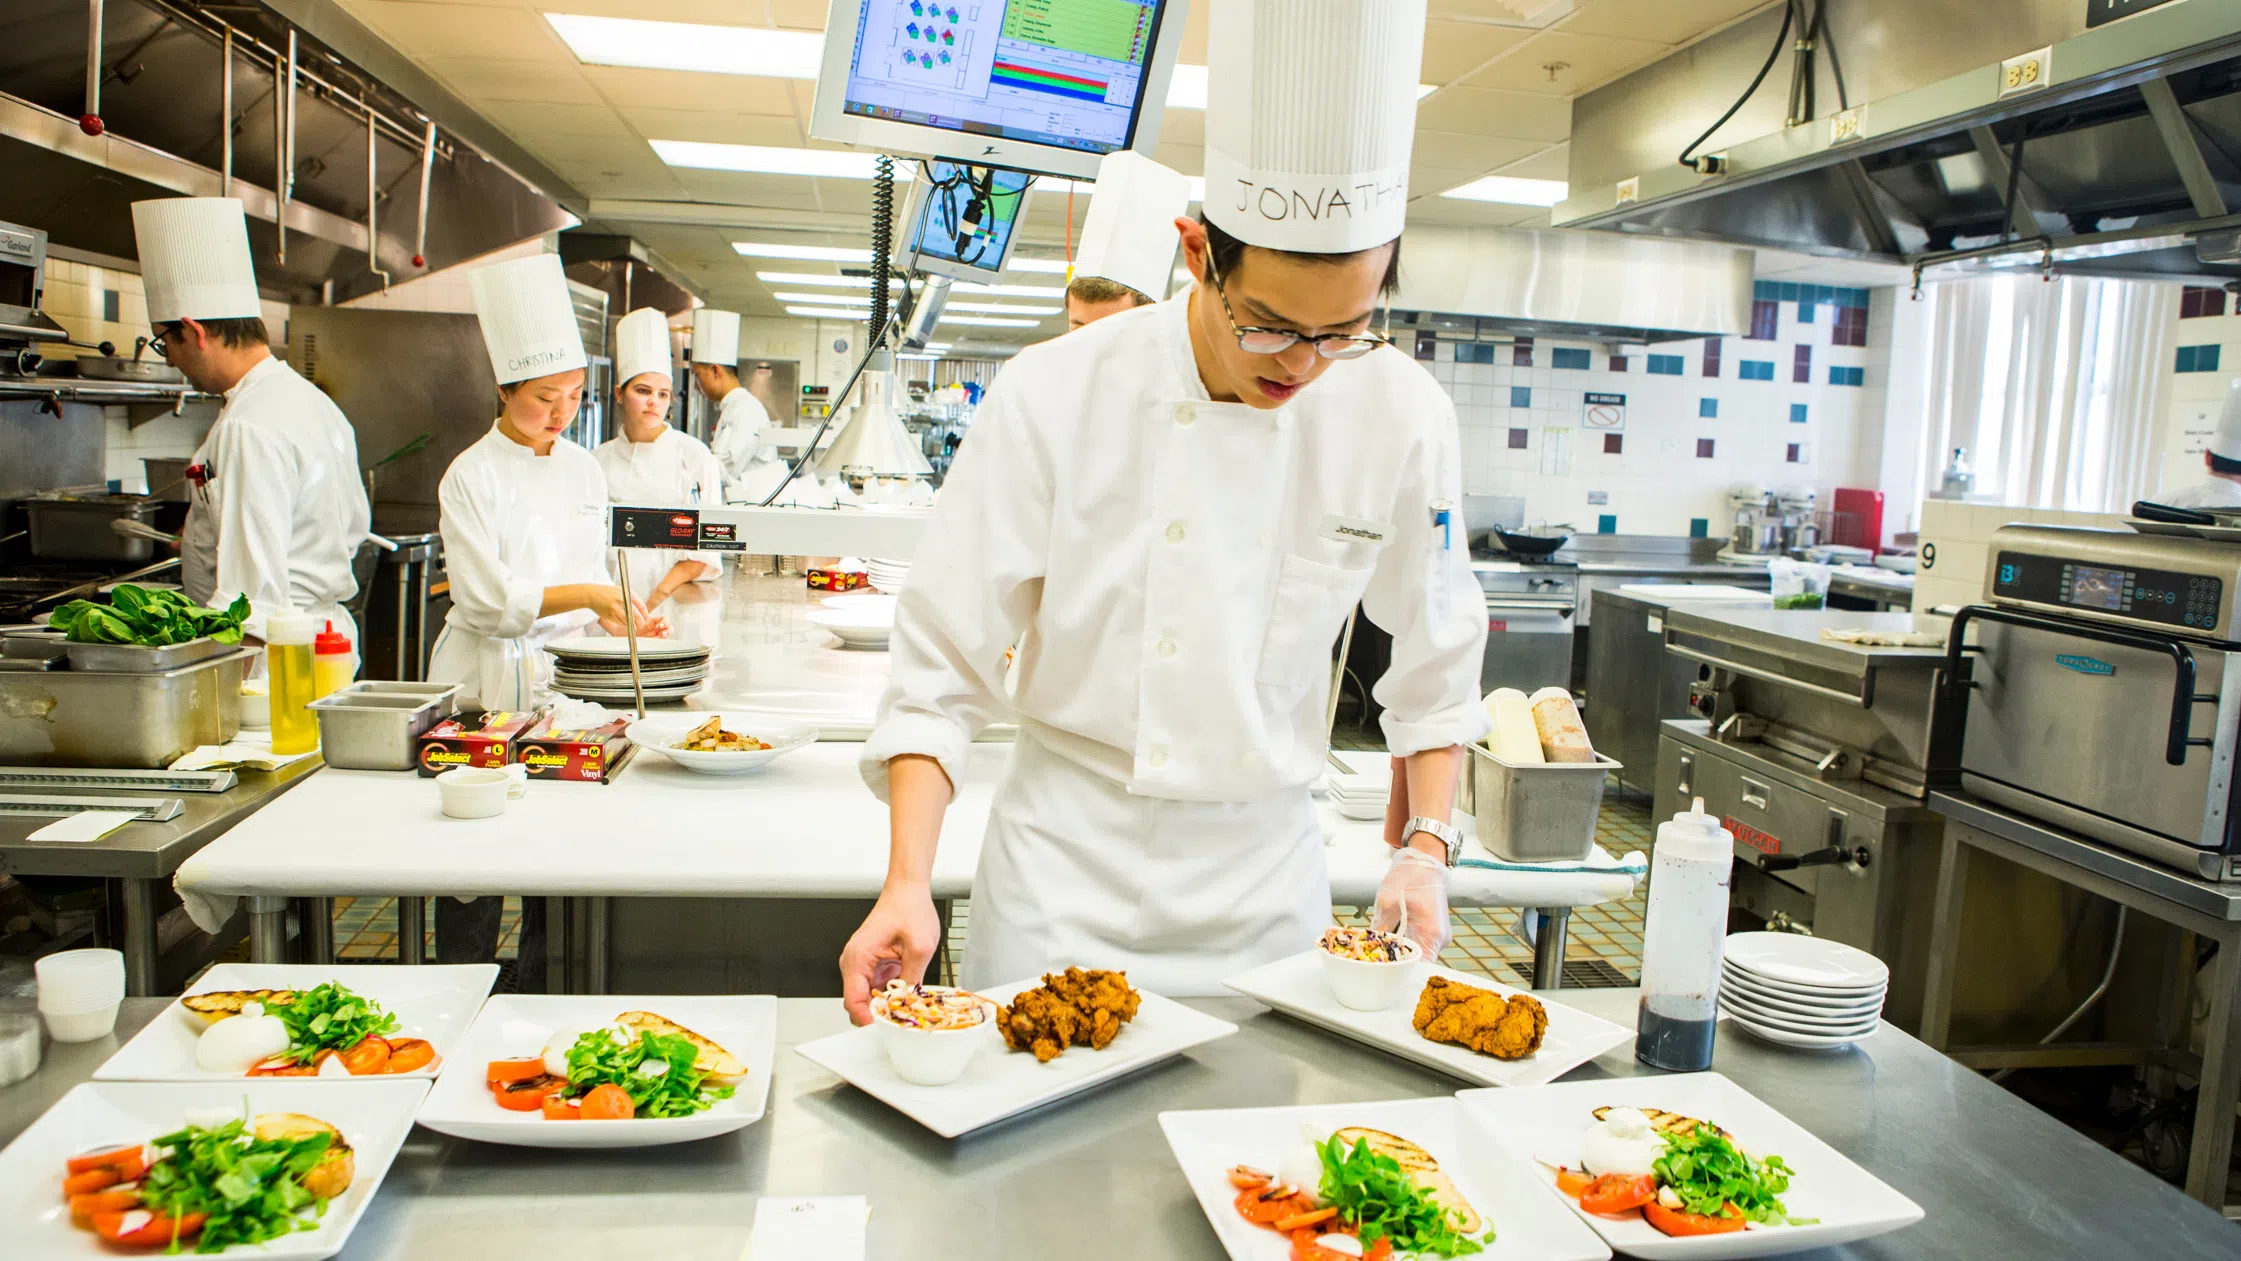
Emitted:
pixel 1540 540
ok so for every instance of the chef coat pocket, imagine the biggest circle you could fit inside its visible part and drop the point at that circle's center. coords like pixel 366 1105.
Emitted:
pixel 1311 604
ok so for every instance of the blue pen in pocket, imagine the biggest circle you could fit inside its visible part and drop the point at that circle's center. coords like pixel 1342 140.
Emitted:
pixel 1443 517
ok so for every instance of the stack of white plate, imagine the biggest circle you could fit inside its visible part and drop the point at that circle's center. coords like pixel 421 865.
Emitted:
pixel 888 575
pixel 1802 991
pixel 598 668
pixel 1358 796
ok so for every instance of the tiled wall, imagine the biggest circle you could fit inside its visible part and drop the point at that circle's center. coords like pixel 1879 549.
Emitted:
pixel 1955 545
pixel 1802 406
pixel 2207 335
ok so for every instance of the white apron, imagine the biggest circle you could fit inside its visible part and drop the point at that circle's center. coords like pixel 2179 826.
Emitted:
pixel 1077 871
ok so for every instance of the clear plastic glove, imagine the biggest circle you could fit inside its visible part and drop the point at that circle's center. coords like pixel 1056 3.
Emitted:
pixel 1412 901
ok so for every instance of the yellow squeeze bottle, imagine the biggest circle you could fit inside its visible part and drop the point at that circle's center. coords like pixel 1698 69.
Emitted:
pixel 288 642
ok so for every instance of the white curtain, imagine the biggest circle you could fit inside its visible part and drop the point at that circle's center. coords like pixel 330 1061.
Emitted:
pixel 2054 387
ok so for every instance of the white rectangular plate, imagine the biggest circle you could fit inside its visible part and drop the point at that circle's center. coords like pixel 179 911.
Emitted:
pixel 1001 1084
pixel 374 1117
pixel 516 1025
pixel 1526 1224
pixel 1295 986
pixel 436 1003
pixel 1849 1203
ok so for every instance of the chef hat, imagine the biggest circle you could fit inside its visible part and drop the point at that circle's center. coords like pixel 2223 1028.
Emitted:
pixel 194 259
pixel 642 345
pixel 1310 110
pixel 528 322
pixel 2226 442
pixel 1129 237
pixel 716 337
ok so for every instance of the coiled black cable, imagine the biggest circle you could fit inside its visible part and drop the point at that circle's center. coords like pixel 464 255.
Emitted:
pixel 883 232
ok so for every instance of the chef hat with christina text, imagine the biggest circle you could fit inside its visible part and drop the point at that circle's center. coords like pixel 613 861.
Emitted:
pixel 2226 442
pixel 528 322
pixel 642 346
pixel 1129 235
pixel 716 337
pixel 194 259
pixel 1310 111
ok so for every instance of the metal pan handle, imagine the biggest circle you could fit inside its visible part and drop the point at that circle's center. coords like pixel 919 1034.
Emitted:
pixel 2148 510
pixel 2182 663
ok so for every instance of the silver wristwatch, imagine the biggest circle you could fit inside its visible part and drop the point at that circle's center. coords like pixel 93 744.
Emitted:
pixel 1449 835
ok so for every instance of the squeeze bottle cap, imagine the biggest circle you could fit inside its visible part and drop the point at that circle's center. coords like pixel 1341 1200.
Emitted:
pixel 330 641
pixel 1696 834
pixel 290 627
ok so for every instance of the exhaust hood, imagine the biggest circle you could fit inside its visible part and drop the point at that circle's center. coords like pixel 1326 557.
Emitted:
pixel 2012 133
pixel 1581 286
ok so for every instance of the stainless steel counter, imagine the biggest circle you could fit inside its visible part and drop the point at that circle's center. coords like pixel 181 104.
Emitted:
pixel 1093 1180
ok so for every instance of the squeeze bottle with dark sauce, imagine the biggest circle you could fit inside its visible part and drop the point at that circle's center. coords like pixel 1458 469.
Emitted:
pixel 1682 936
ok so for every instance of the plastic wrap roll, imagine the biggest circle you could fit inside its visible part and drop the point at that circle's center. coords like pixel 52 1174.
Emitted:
pixel 1563 736
pixel 1514 739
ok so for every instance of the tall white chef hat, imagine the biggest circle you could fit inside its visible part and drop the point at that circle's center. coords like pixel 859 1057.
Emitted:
pixel 716 337
pixel 1129 237
pixel 1310 109
pixel 2226 442
pixel 528 323
pixel 194 259
pixel 642 346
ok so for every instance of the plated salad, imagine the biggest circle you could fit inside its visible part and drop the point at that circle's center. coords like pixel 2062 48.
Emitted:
pixel 324 1031
pixel 1684 1176
pixel 641 1066
pixel 220 1181
pixel 1361 1195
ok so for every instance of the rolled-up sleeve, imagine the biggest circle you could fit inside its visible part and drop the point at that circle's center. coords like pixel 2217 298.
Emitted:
pixel 973 589
pixel 487 597
pixel 1424 595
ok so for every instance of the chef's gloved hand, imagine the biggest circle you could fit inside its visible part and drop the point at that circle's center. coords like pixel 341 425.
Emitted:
pixel 895 942
pixel 1412 900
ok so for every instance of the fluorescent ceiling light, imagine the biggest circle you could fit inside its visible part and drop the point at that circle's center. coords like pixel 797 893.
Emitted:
pixel 759 52
pixel 829 299
pixel 809 253
pixel 1187 89
pixel 1510 191
pixel 1047 266
pixel 812 278
pixel 757 159
pixel 937 345
pixel 987 321
pixel 920 358
pixel 826 313
pixel 999 308
pixel 1006 291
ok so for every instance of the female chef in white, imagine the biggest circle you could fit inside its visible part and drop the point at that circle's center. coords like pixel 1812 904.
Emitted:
pixel 1183 502
pixel 649 464
pixel 524 510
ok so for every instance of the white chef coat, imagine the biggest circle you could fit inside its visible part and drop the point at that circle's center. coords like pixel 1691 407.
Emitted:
pixel 2207 492
pixel 675 470
pixel 751 465
pixel 515 523
pixel 284 509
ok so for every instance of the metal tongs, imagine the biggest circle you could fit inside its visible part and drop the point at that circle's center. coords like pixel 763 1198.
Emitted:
pixel 630 630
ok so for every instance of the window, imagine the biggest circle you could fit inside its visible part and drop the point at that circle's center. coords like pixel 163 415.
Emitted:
pixel 1708 408
pixel 1801 366
pixel 1569 358
pixel 1766 316
pixel 1711 356
pixel 1665 365
pixel 1755 370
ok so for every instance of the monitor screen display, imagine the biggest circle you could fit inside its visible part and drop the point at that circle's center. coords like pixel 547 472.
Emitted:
pixel 1068 74
pixel 965 220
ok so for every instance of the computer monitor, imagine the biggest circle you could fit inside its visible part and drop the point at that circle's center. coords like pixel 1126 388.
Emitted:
pixel 1047 86
pixel 965 221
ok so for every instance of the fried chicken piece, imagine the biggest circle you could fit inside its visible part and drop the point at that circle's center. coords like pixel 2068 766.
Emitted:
pixel 1073 1008
pixel 1480 1020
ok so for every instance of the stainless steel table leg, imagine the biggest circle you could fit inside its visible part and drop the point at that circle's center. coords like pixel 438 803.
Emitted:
pixel 560 945
pixel 1548 947
pixel 268 930
pixel 412 930
pixel 137 937
pixel 596 921
pixel 2221 1078
pixel 317 919
pixel 1945 937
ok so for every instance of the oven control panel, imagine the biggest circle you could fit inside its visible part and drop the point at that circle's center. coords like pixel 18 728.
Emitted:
pixel 2112 591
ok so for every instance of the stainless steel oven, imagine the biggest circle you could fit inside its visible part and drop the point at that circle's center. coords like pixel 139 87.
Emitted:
pixel 1529 610
pixel 2107 689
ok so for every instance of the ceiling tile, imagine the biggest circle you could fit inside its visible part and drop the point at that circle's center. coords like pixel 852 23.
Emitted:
pixel 1477 111
pixel 623 85
pixel 500 33
pixel 1475 153
pixel 1454 49
pixel 1552 163
pixel 715 126
pixel 1660 21
pixel 1581 62
pixel 481 79
pixel 537 120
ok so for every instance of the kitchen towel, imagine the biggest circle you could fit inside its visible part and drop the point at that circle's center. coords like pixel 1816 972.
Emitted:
pixel 85 825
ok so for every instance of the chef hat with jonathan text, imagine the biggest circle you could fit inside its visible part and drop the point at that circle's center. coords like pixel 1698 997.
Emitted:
pixel 194 259
pixel 2226 442
pixel 642 346
pixel 1310 112
pixel 1129 236
pixel 528 322
pixel 716 337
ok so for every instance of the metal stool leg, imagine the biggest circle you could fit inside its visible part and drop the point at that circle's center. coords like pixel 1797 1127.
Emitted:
pixel 412 930
pixel 1548 947
pixel 268 930
pixel 317 917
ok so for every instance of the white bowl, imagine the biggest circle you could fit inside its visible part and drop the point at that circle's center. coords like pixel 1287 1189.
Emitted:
pixel 663 732
pixel 933 1057
pixel 480 792
pixel 875 603
pixel 854 629
pixel 1366 986
pixel 256 706
pixel 75 982
pixel 82 1026
pixel 1801 960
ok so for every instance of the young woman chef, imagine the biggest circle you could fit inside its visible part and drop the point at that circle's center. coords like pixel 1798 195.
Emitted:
pixel 1182 503
pixel 652 465
pixel 524 510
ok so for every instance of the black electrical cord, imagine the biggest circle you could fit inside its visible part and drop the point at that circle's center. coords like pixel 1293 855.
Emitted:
pixel 1774 54
pixel 1823 38
pixel 878 337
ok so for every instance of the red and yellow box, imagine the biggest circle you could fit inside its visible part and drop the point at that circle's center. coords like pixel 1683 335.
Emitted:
pixel 452 743
pixel 836 579
pixel 589 754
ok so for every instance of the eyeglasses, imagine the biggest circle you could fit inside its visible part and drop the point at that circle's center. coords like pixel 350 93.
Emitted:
pixel 163 334
pixel 1255 340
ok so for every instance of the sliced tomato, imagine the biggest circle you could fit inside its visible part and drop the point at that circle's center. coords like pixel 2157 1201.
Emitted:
pixel 1307 1246
pixel 91 1180
pixel 282 1066
pixel 515 1070
pixel 562 1108
pixel 1615 1193
pixel 1674 1222
pixel 1247 1178
pixel 1264 1207
pixel 368 1058
pixel 129 1161
pixel 1301 1221
pixel 155 1232
pixel 409 1055
pixel 527 1094
pixel 116 1199
pixel 608 1102
pixel 1573 1181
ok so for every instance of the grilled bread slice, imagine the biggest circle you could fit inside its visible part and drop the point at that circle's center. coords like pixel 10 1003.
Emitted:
pixel 219 1004
pixel 719 1065
pixel 1664 1122
pixel 1421 1169
pixel 331 1176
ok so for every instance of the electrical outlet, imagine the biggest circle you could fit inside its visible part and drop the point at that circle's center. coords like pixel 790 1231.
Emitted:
pixel 2027 73
pixel 1629 189
pixel 1844 126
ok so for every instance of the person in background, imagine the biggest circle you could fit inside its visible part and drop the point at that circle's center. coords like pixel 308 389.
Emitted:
pixel 649 464
pixel 2220 484
pixel 763 384
pixel 1155 816
pixel 278 505
pixel 752 469
pixel 1127 251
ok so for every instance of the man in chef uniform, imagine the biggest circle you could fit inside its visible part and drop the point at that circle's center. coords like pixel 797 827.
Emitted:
pixel 1127 251
pixel 751 466
pixel 2220 484
pixel 279 506
pixel 652 465
pixel 1184 502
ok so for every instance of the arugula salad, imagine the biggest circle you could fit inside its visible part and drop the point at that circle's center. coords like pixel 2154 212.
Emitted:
pixel 152 618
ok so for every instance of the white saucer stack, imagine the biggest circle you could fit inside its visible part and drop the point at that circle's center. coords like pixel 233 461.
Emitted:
pixel 597 668
pixel 1358 796
pixel 888 575
pixel 1802 991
